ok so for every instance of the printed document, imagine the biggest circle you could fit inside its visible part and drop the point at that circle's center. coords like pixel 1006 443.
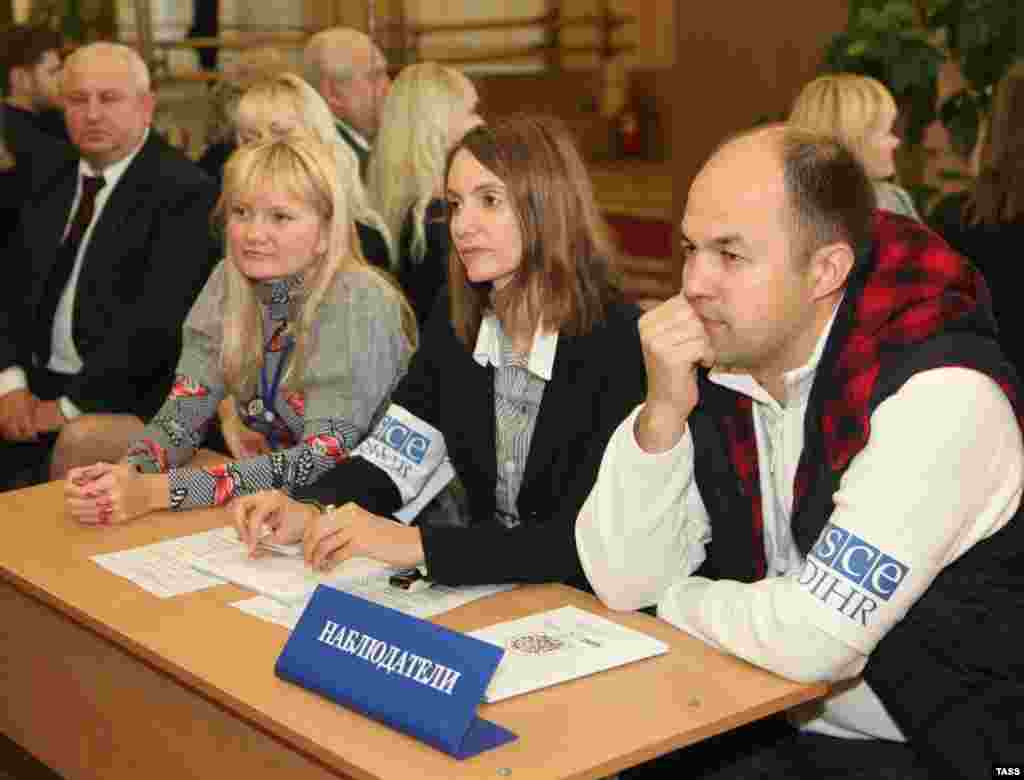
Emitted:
pixel 559 645
pixel 284 576
pixel 280 574
pixel 423 604
pixel 163 568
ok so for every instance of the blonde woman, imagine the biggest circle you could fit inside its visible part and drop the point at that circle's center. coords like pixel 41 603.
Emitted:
pixel 293 323
pixel 286 105
pixel 251 65
pixel 428 108
pixel 861 113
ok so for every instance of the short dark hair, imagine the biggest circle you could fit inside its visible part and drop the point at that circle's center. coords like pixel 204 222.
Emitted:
pixel 831 197
pixel 566 279
pixel 24 46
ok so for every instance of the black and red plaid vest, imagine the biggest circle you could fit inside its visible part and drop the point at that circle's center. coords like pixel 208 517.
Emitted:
pixel 911 305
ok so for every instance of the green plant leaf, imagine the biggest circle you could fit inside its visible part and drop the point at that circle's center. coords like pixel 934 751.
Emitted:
pixel 857 48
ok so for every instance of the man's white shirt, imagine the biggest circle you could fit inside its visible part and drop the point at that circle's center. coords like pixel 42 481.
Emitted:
pixel 943 469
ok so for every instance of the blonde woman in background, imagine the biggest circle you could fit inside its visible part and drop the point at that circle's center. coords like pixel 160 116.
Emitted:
pixel 251 65
pixel 278 107
pixel 293 323
pixel 284 105
pixel 861 113
pixel 428 109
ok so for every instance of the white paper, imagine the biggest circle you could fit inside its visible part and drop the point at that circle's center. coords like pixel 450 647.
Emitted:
pixel 284 577
pixel 559 645
pixel 422 604
pixel 163 569
pixel 271 610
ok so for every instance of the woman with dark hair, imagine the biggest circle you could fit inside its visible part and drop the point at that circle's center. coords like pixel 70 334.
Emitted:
pixel 522 375
pixel 986 223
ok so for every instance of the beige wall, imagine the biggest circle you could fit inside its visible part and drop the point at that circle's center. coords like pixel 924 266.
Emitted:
pixel 727 76
pixel 473 43
pixel 652 33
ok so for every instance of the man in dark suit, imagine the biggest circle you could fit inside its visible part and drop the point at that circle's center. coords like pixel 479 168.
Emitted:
pixel 350 72
pixel 111 256
pixel 31 67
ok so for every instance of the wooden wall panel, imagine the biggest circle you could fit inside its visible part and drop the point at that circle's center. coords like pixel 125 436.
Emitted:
pixel 653 32
pixel 737 62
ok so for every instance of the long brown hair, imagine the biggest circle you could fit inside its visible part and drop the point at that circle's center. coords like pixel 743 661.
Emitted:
pixel 566 279
pixel 998 192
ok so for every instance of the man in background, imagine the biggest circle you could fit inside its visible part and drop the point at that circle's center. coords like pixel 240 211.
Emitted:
pixel 105 264
pixel 31 69
pixel 350 72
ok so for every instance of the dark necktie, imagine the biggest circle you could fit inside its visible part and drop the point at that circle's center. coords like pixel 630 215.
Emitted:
pixel 65 260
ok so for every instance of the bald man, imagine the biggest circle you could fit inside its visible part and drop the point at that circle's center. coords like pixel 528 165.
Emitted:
pixel 348 69
pixel 825 476
pixel 111 256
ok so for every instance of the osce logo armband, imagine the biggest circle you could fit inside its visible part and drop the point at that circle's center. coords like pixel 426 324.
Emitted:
pixel 406 447
pixel 403 439
pixel 851 575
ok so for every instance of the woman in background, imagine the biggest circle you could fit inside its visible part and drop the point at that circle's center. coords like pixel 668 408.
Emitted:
pixel 251 65
pixel 428 108
pixel 293 323
pixel 277 107
pixel 526 367
pixel 284 105
pixel 986 223
pixel 861 113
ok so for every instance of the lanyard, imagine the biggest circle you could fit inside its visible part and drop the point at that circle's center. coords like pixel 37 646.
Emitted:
pixel 268 390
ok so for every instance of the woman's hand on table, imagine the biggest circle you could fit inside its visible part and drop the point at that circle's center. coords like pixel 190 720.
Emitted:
pixel 270 515
pixel 112 493
pixel 350 531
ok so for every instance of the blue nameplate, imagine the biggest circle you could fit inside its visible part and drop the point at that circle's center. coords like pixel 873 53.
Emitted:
pixel 418 677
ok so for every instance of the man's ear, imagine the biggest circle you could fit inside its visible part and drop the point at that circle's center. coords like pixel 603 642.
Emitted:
pixel 830 266
pixel 148 102
pixel 19 80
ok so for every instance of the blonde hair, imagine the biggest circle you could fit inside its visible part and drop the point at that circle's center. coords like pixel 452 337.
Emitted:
pixel 845 105
pixel 406 168
pixel 269 97
pixel 251 65
pixel 305 169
